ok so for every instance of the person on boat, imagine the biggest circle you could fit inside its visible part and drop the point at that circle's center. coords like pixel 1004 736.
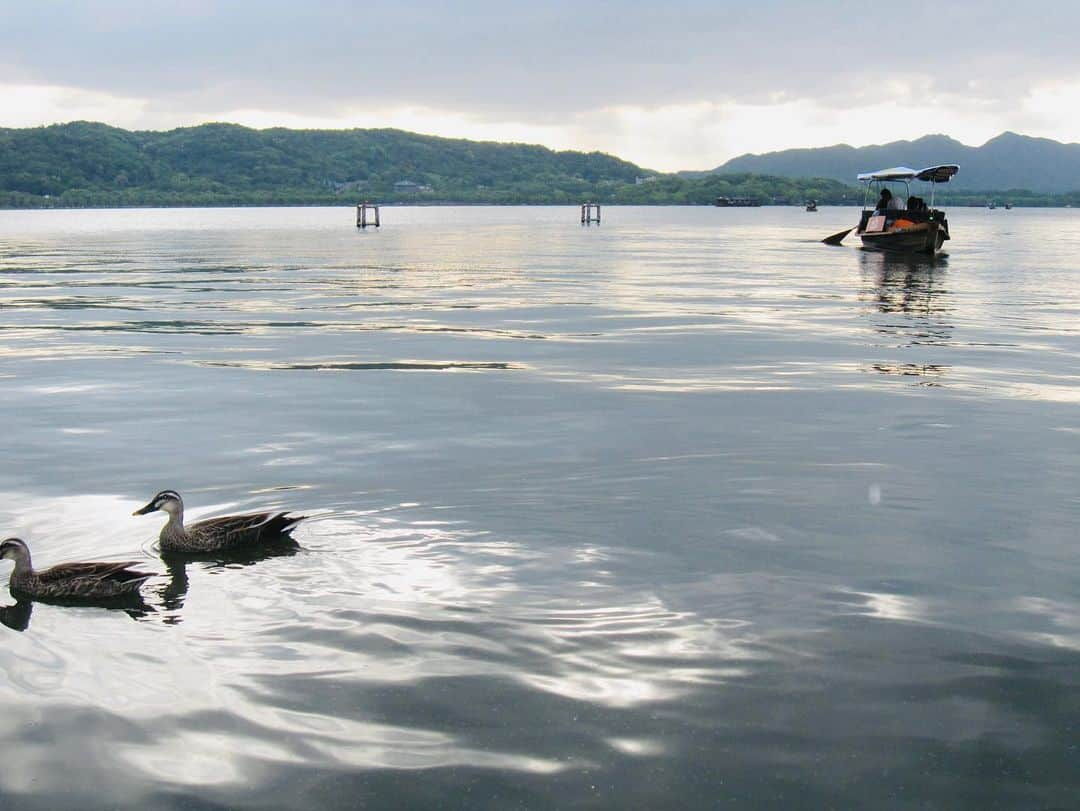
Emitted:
pixel 886 201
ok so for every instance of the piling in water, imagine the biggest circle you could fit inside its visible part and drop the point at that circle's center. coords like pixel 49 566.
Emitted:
pixel 590 213
pixel 367 214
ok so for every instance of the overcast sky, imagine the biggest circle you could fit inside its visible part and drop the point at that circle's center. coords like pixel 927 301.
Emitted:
pixel 670 85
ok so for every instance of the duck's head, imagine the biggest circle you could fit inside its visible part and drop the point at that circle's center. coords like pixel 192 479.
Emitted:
pixel 13 549
pixel 167 500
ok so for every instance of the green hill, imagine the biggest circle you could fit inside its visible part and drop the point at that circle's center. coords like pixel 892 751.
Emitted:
pixel 90 164
pixel 85 164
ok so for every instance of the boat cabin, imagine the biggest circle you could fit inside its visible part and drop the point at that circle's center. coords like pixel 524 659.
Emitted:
pixel 895 219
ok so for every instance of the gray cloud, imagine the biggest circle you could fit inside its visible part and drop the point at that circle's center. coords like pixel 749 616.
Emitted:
pixel 537 62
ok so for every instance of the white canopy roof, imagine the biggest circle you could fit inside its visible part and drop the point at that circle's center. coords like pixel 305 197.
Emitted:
pixel 935 174
pixel 896 173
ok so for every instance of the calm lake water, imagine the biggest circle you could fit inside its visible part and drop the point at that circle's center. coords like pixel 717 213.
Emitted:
pixel 683 511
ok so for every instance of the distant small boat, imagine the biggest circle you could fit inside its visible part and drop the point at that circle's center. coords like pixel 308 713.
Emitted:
pixel 811 205
pixel 914 227
pixel 737 202
pixel 1008 206
pixel 991 205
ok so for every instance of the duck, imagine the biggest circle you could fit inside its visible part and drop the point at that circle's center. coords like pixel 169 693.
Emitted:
pixel 77 582
pixel 228 532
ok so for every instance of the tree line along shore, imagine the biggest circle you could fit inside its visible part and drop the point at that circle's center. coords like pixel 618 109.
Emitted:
pixel 91 165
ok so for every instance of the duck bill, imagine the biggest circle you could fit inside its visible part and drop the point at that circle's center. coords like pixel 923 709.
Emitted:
pixel 149 508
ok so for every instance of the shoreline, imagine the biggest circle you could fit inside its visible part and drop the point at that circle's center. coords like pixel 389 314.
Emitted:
pixel 403 204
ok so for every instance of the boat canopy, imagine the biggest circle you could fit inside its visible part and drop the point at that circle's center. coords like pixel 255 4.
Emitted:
pixel 934 174
pixel 896 173
pixel 938 174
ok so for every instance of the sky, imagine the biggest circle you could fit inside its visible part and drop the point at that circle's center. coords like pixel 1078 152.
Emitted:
pixel 668 85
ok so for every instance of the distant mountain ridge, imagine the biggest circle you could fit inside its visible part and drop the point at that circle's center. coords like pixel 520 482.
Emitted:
pixel 84 164
pixel 1009 161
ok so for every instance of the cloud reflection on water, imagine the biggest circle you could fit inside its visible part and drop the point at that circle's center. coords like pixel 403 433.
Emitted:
pixel 369 602
pixel 648 565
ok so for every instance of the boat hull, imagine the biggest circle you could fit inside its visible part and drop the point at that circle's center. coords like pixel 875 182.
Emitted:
pixel 736 202
pixel 927 238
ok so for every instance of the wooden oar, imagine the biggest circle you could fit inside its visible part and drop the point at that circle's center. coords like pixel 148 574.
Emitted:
pixel 836 239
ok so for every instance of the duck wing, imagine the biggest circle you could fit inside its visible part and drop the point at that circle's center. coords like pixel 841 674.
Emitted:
pixel 117 572
pixel 236 530
pixel 84 582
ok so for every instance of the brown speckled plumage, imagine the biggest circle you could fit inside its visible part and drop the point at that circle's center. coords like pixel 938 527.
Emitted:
pixel 222 534
pixel 70 581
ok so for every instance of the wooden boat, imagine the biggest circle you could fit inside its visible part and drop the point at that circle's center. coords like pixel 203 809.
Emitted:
pixel 913 226
pixel 811 205
pixel 737 202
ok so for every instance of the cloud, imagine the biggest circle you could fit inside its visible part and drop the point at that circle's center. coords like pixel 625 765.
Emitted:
pixel 538 61
pixel 666 137
pixel 29 105
pixel 665 84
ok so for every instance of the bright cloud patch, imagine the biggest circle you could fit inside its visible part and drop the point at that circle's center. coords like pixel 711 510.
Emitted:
pixel 27 105
pixel 667 138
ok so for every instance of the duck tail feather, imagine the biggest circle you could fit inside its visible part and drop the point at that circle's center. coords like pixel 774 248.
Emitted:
pixel 289 522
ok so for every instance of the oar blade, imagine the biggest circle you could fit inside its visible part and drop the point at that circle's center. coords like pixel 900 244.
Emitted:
pixel 837 238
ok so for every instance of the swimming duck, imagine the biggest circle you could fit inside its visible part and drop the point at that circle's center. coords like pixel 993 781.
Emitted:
pixel 70 581
pixel 216 534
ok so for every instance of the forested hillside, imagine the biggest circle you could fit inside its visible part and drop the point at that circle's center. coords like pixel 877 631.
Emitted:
pixel 85 164
pixel 93 164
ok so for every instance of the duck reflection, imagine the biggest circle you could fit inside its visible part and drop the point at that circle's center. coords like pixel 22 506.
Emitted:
pixel 174 591
pixel 17 616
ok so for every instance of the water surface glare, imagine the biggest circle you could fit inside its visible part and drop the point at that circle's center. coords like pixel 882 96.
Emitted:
pixel 683 511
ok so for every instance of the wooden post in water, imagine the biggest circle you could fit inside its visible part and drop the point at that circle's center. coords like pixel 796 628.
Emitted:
pixel 363 210
pixel 590 213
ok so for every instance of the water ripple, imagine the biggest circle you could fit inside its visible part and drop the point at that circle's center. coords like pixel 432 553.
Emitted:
pixel 742 512
pixel 354 366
